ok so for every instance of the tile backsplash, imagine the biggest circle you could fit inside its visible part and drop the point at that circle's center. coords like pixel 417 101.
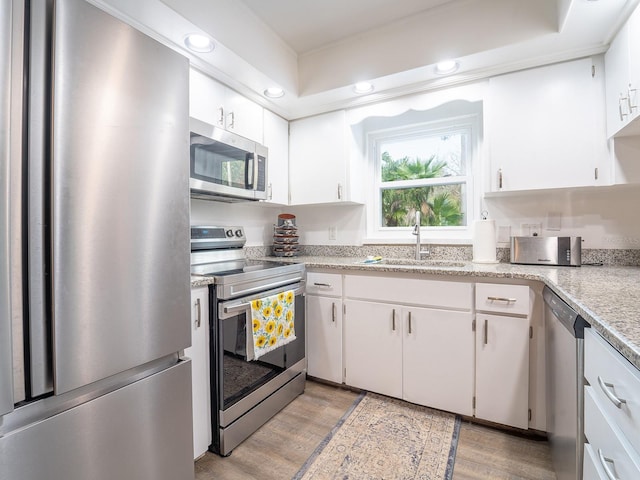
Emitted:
pixel 618 257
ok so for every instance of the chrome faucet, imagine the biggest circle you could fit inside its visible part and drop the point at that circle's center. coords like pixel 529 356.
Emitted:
pixel 416 232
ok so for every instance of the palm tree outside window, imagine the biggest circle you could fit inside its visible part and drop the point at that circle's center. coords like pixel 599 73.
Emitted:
pixel 425 170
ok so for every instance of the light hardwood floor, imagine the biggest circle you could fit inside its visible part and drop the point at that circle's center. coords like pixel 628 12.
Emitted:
pixel 278 449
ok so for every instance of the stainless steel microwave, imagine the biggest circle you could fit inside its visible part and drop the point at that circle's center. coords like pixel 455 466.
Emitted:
pixel 226 166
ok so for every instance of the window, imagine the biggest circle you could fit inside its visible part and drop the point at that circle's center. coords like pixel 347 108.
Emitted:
pixel 426 168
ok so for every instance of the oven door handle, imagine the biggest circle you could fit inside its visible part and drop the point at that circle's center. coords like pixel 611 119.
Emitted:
pixel 229 309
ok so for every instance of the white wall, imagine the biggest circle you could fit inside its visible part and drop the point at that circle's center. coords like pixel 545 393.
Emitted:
pixel 605 217
pixel 257 219
pixel 314 222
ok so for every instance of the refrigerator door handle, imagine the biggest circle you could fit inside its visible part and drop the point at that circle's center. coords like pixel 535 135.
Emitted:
pixel 41 371
pixel 6 370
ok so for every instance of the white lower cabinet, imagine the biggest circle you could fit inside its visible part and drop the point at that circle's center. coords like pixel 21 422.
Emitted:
pixel 373 347
pixel 422 355
pixel 611 412
pixel 502 353
pixel 199 354
pixel 324 334
pixel 437 359
pixel 614 455
pixel 324 325
pixel 421 340
pixel 502 369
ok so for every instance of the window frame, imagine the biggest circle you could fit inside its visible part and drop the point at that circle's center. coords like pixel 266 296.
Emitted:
pixel 376 233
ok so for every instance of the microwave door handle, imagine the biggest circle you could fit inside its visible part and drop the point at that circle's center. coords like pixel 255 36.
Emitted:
pixel 249 171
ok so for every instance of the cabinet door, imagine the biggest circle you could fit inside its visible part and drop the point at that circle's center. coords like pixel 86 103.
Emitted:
pixel 242 116
pixel 546 127
pixel 206 99
pixel 276 139
pixel 502 369
pixel 324 338
pixel 373 347
pixel 633 82
pixel 214 103
pixel 318 152
pixel 438 359
pixel 199 354
pixel 616 62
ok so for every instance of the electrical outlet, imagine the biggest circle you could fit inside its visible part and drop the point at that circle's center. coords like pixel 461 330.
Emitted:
pixel 333 233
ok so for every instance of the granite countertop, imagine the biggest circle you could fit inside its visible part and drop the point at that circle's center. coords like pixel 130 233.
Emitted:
pixel 607 297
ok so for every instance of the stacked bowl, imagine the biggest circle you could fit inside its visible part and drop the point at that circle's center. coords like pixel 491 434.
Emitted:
pixel 285 236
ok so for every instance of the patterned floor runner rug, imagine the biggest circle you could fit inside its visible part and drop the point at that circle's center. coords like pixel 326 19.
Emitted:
pixel 384 438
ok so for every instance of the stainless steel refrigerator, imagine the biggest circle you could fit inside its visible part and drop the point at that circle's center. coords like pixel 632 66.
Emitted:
pixel 94 248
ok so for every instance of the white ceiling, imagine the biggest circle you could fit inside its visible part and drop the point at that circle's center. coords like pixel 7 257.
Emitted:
pixel 317 49
pixel 307 25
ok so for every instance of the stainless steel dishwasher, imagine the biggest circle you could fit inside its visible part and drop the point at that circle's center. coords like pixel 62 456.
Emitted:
pixel 565 382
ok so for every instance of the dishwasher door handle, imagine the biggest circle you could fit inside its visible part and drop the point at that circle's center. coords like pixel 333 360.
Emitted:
pixel 606 388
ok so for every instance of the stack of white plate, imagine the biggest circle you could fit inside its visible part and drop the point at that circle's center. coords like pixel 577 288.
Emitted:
pixel 285 236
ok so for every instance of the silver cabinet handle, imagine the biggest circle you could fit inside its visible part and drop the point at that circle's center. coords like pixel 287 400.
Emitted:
pixel 317 284
pixel 198 313
pixel 606 388
pixel 339 191
pixel 486 331
pixel 629 91
pixel 409 323
pixel 502 299
pixel 221 116
pixel 499 179
pixel 270 192
pixel 333 312
pixel 393 320
pixel 232 123
pixel 604 461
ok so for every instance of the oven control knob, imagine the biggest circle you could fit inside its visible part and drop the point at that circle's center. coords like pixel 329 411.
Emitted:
pixel 239 233
pixel 229 233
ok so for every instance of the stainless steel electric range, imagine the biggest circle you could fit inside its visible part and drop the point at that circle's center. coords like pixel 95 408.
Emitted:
pixel 245 393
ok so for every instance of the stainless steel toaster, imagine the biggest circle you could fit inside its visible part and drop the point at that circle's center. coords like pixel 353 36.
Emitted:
pixel 565 251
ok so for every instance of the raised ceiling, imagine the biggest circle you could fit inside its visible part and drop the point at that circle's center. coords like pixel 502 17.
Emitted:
pixel 307 25
pixel 316 50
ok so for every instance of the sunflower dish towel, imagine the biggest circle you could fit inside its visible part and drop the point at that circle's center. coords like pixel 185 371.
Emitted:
pixel 272 323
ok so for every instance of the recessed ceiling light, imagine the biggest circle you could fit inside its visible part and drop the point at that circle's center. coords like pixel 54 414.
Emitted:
pixel 198 43
pixel 446 66
pixel 363 87
pixel 274 92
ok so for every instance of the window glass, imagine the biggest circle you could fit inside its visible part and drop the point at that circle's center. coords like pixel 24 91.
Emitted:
pixel 425 171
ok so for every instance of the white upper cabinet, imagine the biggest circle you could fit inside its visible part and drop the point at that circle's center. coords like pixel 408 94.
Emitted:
pixel 276 139
pixel 546 127
pixel 218 105
pixel 622 63
pixel 319 149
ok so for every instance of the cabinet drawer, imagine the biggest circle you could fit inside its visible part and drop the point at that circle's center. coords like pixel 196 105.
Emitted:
pixel 607 371
pixel 329 284
pixel 410 291
pixel 611 450
pixel 591 469
pixel 511 299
